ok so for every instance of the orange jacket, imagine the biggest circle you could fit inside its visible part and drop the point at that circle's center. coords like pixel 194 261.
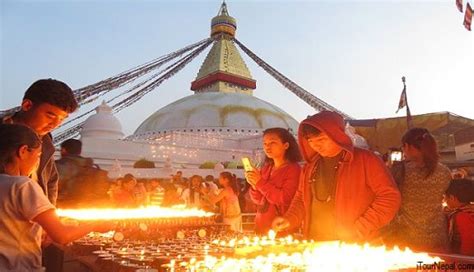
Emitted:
pixel 366 196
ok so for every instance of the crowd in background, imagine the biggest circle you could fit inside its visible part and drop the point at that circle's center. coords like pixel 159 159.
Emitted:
pixel 321 186
pixel 401 202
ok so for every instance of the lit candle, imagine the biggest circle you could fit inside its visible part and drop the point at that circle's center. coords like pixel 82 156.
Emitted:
pixel 172 264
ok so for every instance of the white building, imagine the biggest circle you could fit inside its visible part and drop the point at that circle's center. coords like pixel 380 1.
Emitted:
pixel 222 121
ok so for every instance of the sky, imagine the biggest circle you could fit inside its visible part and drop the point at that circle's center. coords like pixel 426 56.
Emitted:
pixel 351 54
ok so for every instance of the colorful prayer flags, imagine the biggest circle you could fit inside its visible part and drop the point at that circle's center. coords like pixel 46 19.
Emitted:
pixel 459 5
pixel 468 17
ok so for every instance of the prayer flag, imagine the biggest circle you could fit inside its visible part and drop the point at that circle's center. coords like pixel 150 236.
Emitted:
pixel 459 5
pixel 468 17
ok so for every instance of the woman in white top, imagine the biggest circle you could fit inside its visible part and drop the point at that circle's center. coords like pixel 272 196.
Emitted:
pixel 24 208
pixel 228 198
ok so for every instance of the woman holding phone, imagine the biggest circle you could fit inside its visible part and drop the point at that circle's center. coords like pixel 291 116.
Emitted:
pixel 274 185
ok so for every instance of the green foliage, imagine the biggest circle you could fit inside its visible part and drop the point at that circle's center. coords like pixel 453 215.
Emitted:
pixel 144 163
pixel 208 165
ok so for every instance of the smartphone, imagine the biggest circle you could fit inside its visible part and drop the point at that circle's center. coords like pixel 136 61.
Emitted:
pixel 396 156
pixel 247 165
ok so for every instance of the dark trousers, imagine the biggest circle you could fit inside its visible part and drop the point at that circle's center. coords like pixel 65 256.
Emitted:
pixel 53 258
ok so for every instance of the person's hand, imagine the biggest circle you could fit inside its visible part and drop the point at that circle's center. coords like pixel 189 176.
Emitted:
pixel 280 224
pixel 253 177
pixel 205 190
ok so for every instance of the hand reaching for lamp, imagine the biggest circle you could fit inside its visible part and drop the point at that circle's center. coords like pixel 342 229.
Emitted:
pixel 280 224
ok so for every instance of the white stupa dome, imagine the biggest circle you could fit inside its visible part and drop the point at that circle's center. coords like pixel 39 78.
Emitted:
pixel 223 102
pixel 216 112
pixel 103 124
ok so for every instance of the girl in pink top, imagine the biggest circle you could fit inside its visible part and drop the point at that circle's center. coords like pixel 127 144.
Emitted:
pixel 228 198
pixel 275 184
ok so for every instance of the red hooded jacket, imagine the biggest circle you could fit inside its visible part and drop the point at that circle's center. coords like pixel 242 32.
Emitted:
pixel 366 196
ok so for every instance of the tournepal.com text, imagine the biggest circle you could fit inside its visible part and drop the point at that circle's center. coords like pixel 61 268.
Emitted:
pixel 443 266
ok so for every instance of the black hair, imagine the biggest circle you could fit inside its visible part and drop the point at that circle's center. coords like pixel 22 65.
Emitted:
pixel 232 181
pixel 421 139
pixel 72 146
pixel 307 130
pixel 12 137
pixel 127 178
pixel 209 178
pixel 292 154
pixel 462 189
pixel 190 185
pixel 54 92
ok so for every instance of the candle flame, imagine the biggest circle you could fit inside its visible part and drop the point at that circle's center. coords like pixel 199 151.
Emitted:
pixel 325 256
pixel 289 254
pixel 139 213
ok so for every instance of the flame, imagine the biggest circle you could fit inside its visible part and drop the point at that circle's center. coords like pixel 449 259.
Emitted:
pixel 325 256
pixel 139 213
pixel 289 254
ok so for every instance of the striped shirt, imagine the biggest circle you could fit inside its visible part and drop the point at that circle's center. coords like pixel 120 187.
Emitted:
pixel 156 196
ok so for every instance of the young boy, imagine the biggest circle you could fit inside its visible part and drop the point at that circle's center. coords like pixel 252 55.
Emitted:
pixel 156 193
pixel 461 223
pixel 24 208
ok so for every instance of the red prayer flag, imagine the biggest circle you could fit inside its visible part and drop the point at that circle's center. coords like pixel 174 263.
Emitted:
pixel 468 17
pixel 403 100
pixel 459 5
pixel 403 97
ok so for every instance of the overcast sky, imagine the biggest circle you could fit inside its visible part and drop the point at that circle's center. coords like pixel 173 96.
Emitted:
pixel 351 54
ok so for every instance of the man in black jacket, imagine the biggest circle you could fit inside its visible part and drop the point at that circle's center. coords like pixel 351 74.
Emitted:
pixel 45 105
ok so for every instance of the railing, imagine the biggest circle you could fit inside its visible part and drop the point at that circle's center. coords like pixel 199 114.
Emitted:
pixel 248 222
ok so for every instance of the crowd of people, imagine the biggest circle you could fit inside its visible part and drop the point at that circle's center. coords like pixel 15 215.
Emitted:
pixel 321 186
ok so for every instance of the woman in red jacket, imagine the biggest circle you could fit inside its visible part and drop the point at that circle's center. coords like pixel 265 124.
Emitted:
pixel 275 184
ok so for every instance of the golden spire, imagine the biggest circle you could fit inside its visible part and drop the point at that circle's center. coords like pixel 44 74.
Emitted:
pixel 224 70
pixel 223 23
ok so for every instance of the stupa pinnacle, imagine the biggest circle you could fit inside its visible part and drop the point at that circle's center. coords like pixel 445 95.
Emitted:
pixel 224 70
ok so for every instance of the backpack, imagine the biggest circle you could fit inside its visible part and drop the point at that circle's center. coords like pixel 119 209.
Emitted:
pixel 87 185
pixel 90 187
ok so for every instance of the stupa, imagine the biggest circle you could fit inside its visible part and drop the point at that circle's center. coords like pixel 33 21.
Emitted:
pixel 221 121
pixel 223 101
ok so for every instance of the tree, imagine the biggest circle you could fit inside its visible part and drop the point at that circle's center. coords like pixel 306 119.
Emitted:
pixel 144 163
